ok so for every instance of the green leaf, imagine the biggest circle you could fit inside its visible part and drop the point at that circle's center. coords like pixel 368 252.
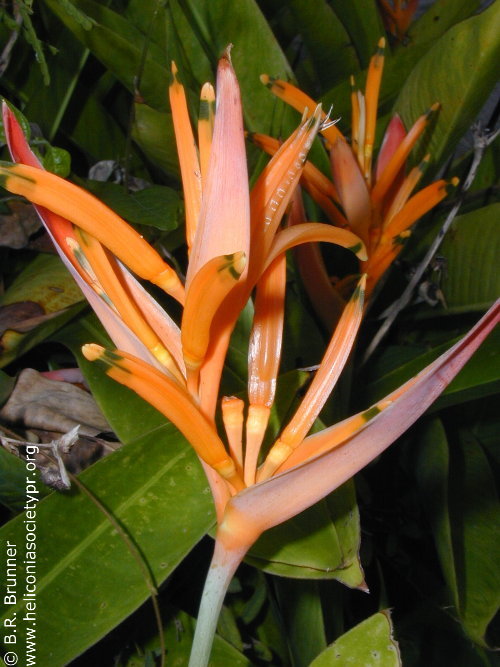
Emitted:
pixel 332 52
pixel 158 205
pixel 345 516
pixel 13 482
pixel 480 376
pixel 220 23
pixel 47 282
pixel 471 249
pixel 362 21
pixel 476 526
pixel 432 473
pixel 459 71
pixel 156 489
pixel 370 644
pixel 119 46
pixel 47 105
pixel 440 17
pixel 153 131
pixel 154 486
pixel 302 615
pixel 317 544
pixel 57 160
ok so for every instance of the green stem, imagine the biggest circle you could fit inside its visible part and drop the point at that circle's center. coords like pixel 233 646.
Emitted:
pixel 223 566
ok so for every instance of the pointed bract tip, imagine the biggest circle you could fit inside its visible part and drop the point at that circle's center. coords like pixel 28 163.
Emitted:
pixel 226 54
pixel 92 351
pixel 363 587
pixel 359 292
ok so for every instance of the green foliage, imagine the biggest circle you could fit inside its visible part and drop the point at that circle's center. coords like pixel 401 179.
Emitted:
pixel 429 509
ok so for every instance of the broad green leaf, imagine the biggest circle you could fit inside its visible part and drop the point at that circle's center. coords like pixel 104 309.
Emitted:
pixel 153 131
pixel 362 21
pixel 157 206
pixel 96 132
pixel 439 17
pixel 345 516
pixel 480 376
pixel 13 481
pixel 220 23
pixel 57 160
pixel 432 473
pixel 156 489
pixel 154 486
pixel 119 46
pixel 459 71
pixel 300 608
pixel 428 625
pixel 370 644
pixel 320 543
pixel 327 41
pixel 47 282
pixel 305 547
pixel 476 526
pixel 471 249
pixel 458 491
pixel 47 105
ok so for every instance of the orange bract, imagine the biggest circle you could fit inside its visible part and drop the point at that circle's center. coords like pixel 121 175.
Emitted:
pixel 363 197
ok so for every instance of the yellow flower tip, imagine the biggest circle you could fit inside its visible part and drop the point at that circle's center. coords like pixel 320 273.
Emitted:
pixel 232 411
pixel 258 417
pixel 265 79
pixel 381 43
pixel 207 92
pixel 227 470
pixel 92 351
pixel 236 263
pixel 424 163
pixel 451 185
pixel 278 454
pixel 360 251
pixel 435 107
pixel 192 362
pixel 168 280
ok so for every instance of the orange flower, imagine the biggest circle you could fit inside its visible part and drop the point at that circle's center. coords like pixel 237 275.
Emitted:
pixel 372 200
pixel 235 248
